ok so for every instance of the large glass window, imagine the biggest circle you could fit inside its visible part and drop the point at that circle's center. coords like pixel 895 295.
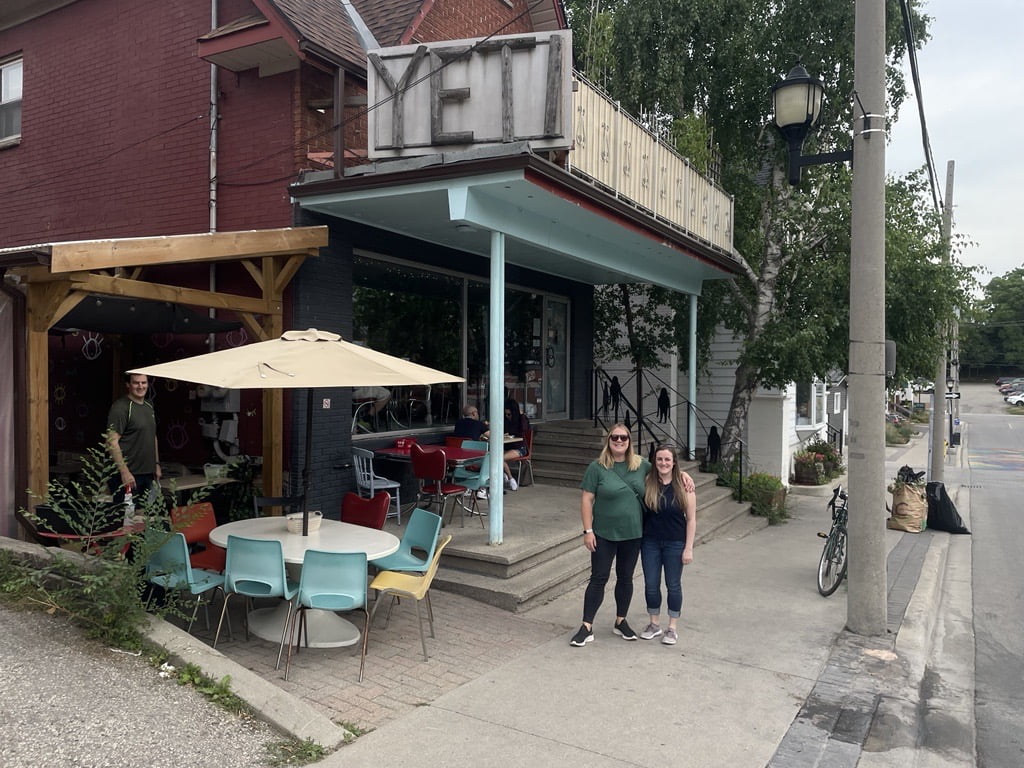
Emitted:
pixel 442 320
pixel 416 315
pixel 10 99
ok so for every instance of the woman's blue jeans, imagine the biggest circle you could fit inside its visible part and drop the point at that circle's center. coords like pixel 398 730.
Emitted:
pixel 657 555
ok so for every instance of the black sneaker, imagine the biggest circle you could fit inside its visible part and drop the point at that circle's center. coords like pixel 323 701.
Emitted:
pixel 623 630
pixel 582 637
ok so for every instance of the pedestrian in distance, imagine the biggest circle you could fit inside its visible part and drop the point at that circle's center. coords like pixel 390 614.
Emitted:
pixel 670 526
pixel 714 452
pixel 612 528
pixel 664 403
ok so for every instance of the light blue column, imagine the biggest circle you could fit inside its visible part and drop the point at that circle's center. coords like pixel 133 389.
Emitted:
pixel 691 377
pixel 496 388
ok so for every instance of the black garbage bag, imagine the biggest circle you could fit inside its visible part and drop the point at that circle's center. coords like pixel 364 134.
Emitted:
pixel 942 513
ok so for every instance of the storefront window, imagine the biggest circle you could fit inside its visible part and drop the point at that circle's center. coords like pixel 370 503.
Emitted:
pixel 443 320
pixel 416 315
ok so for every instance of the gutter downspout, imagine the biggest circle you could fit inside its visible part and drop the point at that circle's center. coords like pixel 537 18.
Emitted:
pixel 214 120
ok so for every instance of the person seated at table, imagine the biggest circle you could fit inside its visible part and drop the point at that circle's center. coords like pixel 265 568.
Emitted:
pixel 470 426
pixel 516 424
pixel 378 395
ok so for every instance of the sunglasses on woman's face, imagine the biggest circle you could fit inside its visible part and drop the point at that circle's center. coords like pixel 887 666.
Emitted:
pixel 618 438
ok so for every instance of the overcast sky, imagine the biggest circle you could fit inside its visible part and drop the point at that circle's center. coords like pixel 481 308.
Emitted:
pixel 972 72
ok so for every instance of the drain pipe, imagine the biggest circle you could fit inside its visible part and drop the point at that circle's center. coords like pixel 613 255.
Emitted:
pixel 214 120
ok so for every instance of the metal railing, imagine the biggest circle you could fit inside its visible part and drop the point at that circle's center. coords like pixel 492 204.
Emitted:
pixel 614 150
pixel 610 399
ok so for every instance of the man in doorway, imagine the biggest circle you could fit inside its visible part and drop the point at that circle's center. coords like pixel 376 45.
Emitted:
pixel 131 440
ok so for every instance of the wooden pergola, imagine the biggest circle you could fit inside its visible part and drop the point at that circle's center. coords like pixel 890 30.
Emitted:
pixel 63 274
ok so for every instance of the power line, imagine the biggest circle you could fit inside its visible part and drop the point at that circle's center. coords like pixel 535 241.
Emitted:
pixel 908 33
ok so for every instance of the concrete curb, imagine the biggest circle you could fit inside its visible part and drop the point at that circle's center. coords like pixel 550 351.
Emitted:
pixel 285 712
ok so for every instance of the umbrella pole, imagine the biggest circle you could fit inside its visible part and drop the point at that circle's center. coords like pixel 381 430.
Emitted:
pixel 305 467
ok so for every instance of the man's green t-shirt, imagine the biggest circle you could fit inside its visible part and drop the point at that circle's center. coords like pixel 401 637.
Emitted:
pixel 136 424
pixel 617 493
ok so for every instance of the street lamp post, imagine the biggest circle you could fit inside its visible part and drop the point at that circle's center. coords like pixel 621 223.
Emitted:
pixel 866 599
pixel 797 104
pixel 950 383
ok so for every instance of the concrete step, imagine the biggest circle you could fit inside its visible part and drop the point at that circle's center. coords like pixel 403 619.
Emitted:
pixel 542 557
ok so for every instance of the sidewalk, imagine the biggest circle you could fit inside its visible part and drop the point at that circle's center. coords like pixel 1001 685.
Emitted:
pixel 764 673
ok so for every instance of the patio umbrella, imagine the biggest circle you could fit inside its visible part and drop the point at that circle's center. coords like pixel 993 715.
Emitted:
pixel 299 360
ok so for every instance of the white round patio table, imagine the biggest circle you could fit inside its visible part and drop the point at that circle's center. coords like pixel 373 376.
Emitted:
pixel 325 629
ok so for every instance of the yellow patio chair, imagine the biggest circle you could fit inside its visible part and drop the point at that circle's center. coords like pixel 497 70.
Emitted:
pixel 412 585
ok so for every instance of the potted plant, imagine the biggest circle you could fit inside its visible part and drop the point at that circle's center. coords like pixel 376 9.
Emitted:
pixel 808 468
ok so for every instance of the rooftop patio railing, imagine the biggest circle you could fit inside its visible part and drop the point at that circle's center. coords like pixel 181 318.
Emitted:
pixel 612 149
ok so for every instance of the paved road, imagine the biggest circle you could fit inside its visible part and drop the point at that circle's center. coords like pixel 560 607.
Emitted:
pixel 996 456
pixel 72 703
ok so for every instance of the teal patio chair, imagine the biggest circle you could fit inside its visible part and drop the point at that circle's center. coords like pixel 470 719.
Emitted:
pixel 170 569
pixel 475 482
pixel 255 568
pixel 420 535
pixel 462 473
pixel 331 581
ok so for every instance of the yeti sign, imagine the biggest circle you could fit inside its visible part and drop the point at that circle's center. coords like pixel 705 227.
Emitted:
pixel 461 93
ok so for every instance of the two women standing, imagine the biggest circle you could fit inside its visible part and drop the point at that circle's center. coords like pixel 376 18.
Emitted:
pixel 615 528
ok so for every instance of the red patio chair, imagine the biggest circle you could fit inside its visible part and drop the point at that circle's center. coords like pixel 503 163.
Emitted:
pixel 370 513
pixel 431 468
pixel 196 521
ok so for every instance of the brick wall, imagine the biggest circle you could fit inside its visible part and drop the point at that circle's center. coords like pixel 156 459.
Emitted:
pixel 115 129
pixel 455 19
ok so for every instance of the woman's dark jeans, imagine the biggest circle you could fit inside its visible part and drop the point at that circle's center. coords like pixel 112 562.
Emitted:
pixel 625 554
pixel 668 555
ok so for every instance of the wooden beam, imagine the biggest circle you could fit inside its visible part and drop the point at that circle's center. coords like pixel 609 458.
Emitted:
pixel 285 273
pixel 183 249
pixel 252 326
pixel 43 301
pixel 117 286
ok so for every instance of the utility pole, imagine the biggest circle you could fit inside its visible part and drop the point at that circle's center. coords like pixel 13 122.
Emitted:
pixel 939 402
pixel 866 601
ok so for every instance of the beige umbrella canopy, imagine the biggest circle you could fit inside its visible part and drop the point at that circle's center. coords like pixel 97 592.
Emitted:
pixel 299 360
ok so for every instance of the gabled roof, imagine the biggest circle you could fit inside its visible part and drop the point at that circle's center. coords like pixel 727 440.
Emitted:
pixel 323 23
pixel 392 21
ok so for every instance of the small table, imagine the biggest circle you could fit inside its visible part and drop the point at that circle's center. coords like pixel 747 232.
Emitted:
pixel 456 457
pixel 325 628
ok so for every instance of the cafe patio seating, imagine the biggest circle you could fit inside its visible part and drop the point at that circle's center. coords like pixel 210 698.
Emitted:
pixel 170 569
pixel 370 513
pixel 255 568
pixel 369 482
pixel 411 585
pixel 330 581
pixel 431 468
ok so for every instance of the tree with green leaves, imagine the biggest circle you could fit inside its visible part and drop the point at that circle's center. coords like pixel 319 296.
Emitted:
pixel 701 70
pixel 992 336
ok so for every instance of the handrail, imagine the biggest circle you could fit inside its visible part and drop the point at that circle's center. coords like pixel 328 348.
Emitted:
pixel 644 426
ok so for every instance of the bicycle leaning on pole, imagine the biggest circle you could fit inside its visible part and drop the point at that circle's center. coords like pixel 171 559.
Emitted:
pixel 832 566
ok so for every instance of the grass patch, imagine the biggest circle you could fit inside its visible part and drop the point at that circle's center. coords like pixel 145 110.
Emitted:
pixel 294 752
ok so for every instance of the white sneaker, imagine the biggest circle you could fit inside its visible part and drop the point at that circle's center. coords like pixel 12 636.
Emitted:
pixel 481 494
pixel 513 484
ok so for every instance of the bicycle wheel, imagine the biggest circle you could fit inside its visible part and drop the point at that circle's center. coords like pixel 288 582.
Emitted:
pixel 832 566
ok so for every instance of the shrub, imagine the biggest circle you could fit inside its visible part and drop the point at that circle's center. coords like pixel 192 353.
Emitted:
pixel 893 436
pixel 104 591
pixel 767 496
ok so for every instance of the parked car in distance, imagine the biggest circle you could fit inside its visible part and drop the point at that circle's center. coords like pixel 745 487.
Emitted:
pixel 1012 384
pixel 1015 399
pixel 922 385
pixel 1004 380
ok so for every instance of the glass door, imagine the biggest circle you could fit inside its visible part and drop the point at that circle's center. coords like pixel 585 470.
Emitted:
pixel 556 358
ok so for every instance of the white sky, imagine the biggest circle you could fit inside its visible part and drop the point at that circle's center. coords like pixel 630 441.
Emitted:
pixel 972 80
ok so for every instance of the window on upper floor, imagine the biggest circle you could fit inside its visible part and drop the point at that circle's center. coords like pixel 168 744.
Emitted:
pixel 10 100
